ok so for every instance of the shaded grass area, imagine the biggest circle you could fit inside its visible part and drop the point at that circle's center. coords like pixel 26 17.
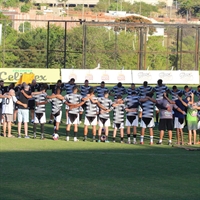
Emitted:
pixel 35 169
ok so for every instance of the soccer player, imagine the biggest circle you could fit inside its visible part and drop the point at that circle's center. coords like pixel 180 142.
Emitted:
pixel 84 89
pixel 187 91
pixel 56 101
pixel 197 92
pixel 69 89
pixel 104 116
pixel 143 91
pixel 175 92
pixel 179 118
pixel 2 91
pixel 166 117
pixel 73 114
pixel 159 89
pixel 91 110
pixel 132 89
pixel 118 90
pixel 31 102
pixel 132 103
pixel 99 90
pixel 7 111
pixel 147 121
pixel 39 115
pixel 118 117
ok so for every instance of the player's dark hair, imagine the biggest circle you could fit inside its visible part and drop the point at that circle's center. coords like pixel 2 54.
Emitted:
pixel 106 92
pixel 174 87
pixel 59 81
pixel 159 81
pixel 119 84
pixel 74 88
pixel 186 86
pixel 119 96
pixel 145 83
pixel 91 90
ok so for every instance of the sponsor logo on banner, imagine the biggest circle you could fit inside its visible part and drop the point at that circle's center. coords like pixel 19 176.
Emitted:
pixel 166 76
pixel 89 77
pixel 186 76
pixel 144 76
pixel 41 75
pixel 121 77
pixel 72 75
pixel 105 77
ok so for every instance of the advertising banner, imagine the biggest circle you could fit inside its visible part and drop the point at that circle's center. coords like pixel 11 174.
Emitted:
pixel 41 75
pixel 130 76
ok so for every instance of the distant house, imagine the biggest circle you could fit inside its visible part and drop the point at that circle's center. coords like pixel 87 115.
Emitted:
pixel 168 2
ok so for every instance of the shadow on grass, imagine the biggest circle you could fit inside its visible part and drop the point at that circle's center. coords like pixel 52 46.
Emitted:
pixel 37 170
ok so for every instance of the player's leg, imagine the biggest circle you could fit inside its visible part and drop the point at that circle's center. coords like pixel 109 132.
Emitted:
pixel 100 130
pixel 68 131
pixel 76 131
pixel 142 135
pixel 128 131
pixel 151 135
pixel 114 133
pixel 9 128
pixel 189 137
pixel 194 137
pixel 20 119
pixel 94 132
pixel 122 133
pixel 106 133
pixel 85 132
pixel 4 124
pixel 25 114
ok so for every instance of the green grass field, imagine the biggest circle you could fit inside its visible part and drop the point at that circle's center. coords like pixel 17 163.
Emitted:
pixel 34 169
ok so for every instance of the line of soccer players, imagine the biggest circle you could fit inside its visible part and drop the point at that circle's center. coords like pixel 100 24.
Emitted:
pixel 136 104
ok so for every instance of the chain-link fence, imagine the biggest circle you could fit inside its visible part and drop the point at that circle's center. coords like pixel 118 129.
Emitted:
pixel 110 45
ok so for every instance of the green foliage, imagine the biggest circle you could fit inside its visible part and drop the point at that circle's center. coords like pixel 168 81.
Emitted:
pixel 9 3
pixel 25 8
pixel 24 27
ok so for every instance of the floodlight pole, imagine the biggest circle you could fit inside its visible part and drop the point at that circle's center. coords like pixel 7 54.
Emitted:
pixel 65 44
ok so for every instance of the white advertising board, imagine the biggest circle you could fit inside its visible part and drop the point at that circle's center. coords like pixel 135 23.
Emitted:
pixel 130 76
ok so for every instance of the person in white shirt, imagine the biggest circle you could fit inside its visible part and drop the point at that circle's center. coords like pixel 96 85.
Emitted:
pixel 8 104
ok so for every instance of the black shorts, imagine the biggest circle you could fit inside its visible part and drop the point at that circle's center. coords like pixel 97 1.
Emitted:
pixel 166 124
pixel 31 104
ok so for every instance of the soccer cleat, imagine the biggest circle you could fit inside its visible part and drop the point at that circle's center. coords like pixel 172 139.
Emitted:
pixel 113 141
pixel 76 140
pixel 151 143
pixel 141 143
pixel 169 143
pixel 128 142
pixel 27 137
pixel 42 137
pixel 134 142
pixel 84 139
pixel 19 136
pixel 122 142
pixel 159 143
pixel 106 141
pixel 99 141
pixel 67 138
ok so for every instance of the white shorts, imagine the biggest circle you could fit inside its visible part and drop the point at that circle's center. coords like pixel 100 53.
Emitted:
pixel 90 121
pixel 58 117
pixel 140 109
pixel 118 125
pixel 177 123
pixel 40 118
pixel 102 123
pixel 147 122
pixel 23 115
pixel 131 120
pixel 72 118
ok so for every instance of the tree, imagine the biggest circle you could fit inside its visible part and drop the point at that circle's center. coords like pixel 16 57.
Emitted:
pixel 25 8
pixel 24 27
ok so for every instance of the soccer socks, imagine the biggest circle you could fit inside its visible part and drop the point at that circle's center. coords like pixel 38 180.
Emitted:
pixel 113 139
pixel 34 130
pixel 134 138
pixel 129 137
pixel 151 139
pixel 141 139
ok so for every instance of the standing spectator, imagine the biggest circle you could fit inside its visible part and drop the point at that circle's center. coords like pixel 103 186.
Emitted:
pixel 7 111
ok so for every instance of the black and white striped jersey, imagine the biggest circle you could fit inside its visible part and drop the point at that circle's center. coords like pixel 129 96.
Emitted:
pixel 187 94
pixel 143 91
pixel 69 88
pixel 84 90
pixel 132 101
pixel 160 90
pixel 100 91
pixel 56 105
pixel 174 94
pixel 129 91
pixel 73 99
pixel 91 109
pixel 118 113
pixel 107 103
pixel 147 109
pixel 38 99
pixel 197 93
pixel 118 91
